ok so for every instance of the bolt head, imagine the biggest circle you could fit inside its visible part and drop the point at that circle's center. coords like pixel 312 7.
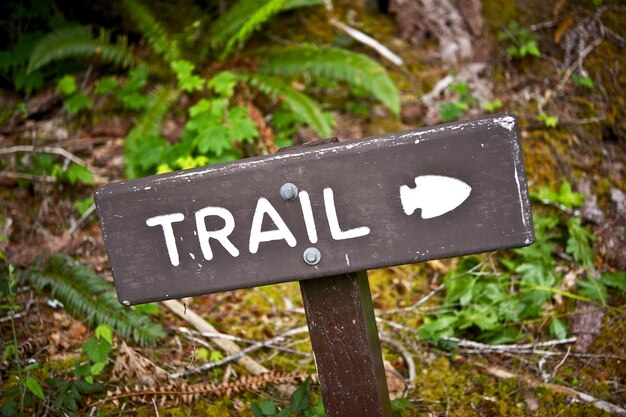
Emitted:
pixel 288 191
pixel 312 256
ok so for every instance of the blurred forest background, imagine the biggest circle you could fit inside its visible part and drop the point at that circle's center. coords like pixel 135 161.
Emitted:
pixel 95 92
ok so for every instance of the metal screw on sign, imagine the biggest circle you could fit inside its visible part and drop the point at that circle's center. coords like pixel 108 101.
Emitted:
pixel 312 256
pixel 288 191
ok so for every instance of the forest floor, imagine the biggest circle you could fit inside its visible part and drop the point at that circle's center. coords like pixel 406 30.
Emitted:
pixel 572 131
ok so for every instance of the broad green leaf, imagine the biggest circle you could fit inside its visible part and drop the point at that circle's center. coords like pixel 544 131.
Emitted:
pixel 33 386
pixel 78 173
pixel 106 85
pixel 256 411
pixel 558 329
pixel 216 356
pixel 77 102
pixel 105 332
pixel 83 205
pixel 579 243
pixel 224 83
pixel 568 198
pixel 594 289
pixel 187 81
pixel 449 112
pixel 9 350
pixel 268 408
pixel 97 368
pixel 97 350
pixel 300 399
pixel 67 85
pixel 242 128
pixel 148 308
pixel 440 327
pixel 615 280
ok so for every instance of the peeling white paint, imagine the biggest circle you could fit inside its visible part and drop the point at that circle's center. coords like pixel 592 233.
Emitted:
pixel 507 122
pixel 347 260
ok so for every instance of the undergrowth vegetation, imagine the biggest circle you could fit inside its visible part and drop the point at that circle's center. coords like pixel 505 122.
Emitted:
pixel 497 301
pixel 225 81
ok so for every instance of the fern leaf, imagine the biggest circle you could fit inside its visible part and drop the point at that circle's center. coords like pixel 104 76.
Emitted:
pixel 299 103
pixel 160 99
pixel 252 23
pixel 90 298
pixel 154 32
pixel 231 22
pixel 295 4
pixel 252 13
pixel 78 41
pixel 338 64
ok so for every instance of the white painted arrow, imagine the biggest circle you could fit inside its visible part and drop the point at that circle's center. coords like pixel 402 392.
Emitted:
pixel 434 194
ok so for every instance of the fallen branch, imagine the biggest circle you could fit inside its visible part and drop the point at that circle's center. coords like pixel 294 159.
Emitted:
pixel 441 85
pixel 533 382
pixel 227 346
pixel 56 151
pixel 29 177
pixel 508 348
pixel 236 356
pixel 368 41
pixel 408 358
pixel 191 336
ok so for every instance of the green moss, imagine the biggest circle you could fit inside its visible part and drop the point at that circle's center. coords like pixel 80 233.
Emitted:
pixel 456 388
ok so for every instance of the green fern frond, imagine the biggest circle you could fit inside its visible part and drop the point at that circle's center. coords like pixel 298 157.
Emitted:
pixel 246 16
pixel 230 22
pixel 160 100
pixel 79 41
pixel 88 297
pixel 300 104
pixel 296 4
pixel 253 22
pixel 153 31
pixel 338 64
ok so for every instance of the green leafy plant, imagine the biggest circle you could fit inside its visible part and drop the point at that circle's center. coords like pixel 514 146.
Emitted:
pixel 97 348
pixel 312 61
pixel 28 385
pixel 75 100
pixel 453 110
pixel 216 129
pixel 583 81
pixel 86 295
pixel 481 302
pixel 522 41
pixel 299 404
pixel 130 93
pixel 493 105
pixel 82 206
pixel 79 41
pixel 547 120
pixel 564 197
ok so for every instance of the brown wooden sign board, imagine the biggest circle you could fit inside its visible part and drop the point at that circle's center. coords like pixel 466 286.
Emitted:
pixel 431 193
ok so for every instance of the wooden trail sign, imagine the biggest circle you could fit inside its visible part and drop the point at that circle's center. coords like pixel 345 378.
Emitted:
pixel 328 212
pixel 424 194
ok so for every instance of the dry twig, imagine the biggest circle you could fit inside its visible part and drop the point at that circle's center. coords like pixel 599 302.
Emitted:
pixel 533 382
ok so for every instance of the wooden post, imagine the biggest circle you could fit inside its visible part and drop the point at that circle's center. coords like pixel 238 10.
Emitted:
pixel 343 332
